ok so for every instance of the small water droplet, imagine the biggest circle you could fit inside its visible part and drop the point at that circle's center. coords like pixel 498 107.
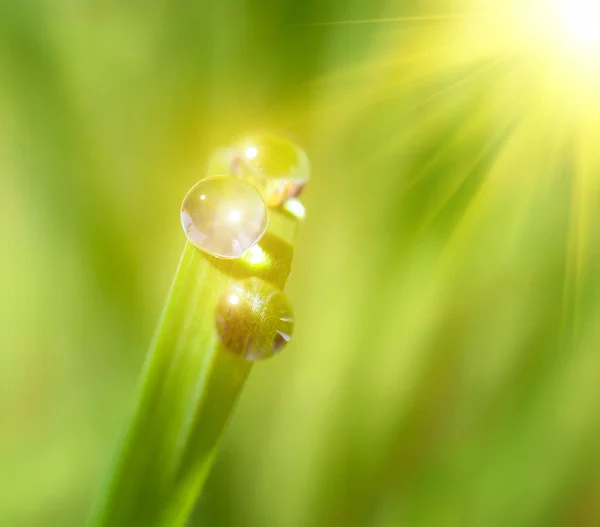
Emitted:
pixel 295 207
pixel 224 216
pixel 254 319
pixel 274 164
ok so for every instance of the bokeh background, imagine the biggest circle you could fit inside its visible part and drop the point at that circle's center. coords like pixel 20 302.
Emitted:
pixel 445 369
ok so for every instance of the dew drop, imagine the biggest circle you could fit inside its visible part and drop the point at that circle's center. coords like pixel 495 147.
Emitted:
pixel 274 164
pixel 224 216
pixel 254 319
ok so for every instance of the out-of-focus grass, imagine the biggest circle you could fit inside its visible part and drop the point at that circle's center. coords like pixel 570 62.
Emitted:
pixel 444 367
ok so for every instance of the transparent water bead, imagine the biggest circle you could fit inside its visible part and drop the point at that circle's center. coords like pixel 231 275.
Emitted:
pixel 224 216
pixel 274 164
pixel 254 319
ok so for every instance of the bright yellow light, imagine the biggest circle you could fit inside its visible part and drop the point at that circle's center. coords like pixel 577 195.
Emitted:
pixel 234 216
pixel 251 152
pixel 255 256
pixel 581 20
pixel 234 300
pixel 295 207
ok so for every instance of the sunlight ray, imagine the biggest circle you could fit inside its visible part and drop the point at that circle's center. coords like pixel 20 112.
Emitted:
pixel 390 20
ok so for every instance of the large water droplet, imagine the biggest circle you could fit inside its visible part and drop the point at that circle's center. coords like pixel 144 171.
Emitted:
pixel 254 319
pixel 274 164
pixel 224 216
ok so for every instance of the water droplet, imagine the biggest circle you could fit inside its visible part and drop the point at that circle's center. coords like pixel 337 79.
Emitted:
pixel 274 164
pixel 224 216
pixel 295 207
pixel 254 319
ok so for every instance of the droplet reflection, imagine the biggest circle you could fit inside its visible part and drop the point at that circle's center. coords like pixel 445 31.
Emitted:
pixel 224 216
pixel 254 319
pixel 256 257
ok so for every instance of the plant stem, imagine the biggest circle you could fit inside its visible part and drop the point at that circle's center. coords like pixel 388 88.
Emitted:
pixel 189 388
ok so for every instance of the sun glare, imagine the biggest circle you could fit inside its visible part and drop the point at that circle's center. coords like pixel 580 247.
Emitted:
pixel 581 21
pixel 251 152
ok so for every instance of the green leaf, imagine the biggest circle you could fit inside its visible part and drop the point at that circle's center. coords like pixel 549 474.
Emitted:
pixel 190 386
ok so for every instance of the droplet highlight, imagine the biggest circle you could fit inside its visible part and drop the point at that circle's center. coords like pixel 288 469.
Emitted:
pixel 254 319
pixel 224 216
pixel 274 164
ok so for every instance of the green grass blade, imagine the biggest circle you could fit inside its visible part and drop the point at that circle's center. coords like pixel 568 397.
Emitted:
pixel 190 386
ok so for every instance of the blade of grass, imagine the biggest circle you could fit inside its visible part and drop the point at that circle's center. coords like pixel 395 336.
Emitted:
pixel 189 388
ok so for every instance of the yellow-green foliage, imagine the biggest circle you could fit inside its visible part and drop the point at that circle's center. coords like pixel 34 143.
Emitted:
pixel 444 368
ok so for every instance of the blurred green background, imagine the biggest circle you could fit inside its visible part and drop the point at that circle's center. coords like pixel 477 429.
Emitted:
pixel 445 369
